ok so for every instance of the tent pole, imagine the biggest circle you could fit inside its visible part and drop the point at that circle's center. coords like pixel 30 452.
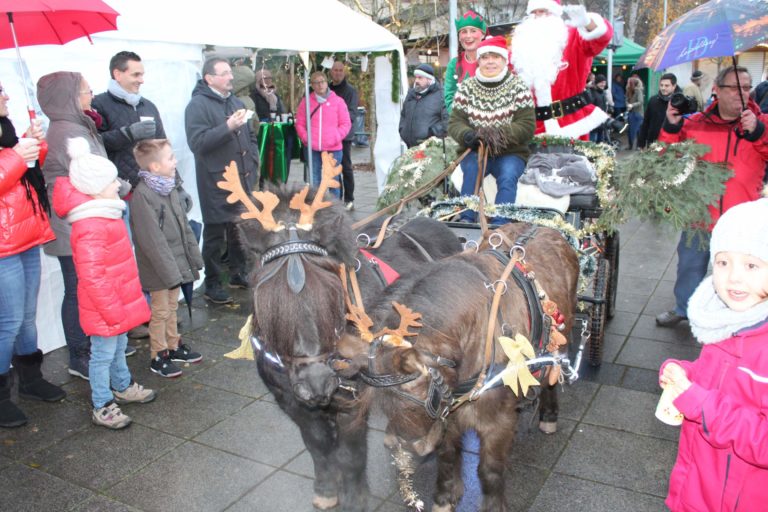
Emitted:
pixel 308 179
pixel 30 108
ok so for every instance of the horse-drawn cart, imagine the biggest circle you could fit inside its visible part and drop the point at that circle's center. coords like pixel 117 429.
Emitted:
pixel 577 217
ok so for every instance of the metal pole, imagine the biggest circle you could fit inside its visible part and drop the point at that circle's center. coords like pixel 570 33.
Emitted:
pixel 453 40
pixel 609 69
pixel 30 108
pixel 664 24
pixel 308 179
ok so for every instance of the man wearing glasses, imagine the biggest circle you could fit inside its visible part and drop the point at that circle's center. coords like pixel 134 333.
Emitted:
pixel 218 133
pixel 734 128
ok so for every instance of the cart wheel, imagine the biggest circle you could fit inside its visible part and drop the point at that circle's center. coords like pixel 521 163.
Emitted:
pixel 612 255
pixel 598 314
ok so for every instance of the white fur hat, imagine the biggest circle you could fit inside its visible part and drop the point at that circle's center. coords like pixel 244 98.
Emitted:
pixel 89 173
pixel 552 6
pixel 743 228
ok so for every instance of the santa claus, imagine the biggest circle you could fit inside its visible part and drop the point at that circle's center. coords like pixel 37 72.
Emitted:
pixel 555 67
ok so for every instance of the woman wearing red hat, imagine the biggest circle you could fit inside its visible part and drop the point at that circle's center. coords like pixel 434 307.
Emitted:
pixel 471 29
pixel 494 108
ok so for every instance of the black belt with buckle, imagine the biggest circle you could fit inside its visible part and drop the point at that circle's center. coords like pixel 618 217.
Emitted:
pixel 564 107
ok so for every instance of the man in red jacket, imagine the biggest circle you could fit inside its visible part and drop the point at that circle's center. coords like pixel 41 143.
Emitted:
pixel 735 130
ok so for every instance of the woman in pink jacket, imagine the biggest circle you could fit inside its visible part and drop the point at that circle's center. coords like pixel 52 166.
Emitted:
pixel 330 124
pixel 722 460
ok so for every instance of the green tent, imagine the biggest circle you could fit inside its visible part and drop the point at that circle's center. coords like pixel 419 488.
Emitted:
pixel 626 54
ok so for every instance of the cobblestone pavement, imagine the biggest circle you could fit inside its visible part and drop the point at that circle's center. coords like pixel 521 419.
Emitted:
pixel 215 440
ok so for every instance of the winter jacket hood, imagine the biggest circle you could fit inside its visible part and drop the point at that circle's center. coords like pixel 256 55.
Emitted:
pixel 110 300
pixel 722 460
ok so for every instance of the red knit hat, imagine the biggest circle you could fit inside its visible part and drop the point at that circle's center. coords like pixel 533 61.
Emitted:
pixel 553 6
pixel 495 44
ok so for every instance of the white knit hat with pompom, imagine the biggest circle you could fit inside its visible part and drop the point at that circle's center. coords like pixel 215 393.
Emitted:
pixel 89 173
pixel 743 228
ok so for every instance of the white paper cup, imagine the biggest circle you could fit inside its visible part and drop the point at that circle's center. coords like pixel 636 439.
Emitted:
pixel 146 118
pixel 666 412
pixel 26 142
pixel 272 116
pixel 284 117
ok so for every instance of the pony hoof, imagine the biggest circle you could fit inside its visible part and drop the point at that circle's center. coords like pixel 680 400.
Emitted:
pixel 325 502
pixel 442 508
pixel 548 427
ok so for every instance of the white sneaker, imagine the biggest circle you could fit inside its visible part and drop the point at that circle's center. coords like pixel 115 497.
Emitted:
pixel 349 206
pixel 110 416
pixel 135 393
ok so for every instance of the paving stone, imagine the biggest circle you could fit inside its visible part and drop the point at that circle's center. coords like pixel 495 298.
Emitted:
pixel 261 432
pixel 606 373
pixel 103 504
pixel 641 379
pixel 630 302
pixel 638 285
pixel 221 330
pixel 235 376
pixel 612 344
pixel 192 477
pixel 631 411
pixel 620 459
pixel 575 399
pixel 40 432
pixel 621 323
pixel 647 328
pixel 97 457
pixel 188 408
pixel 4 461
pixel 521 486
pixel 649 354
pixel 534 448
pixel 23 489
pixel 280 491
pixel 562 492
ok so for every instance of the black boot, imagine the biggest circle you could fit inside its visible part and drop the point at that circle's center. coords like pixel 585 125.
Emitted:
pixel 32 385
pixel 10 415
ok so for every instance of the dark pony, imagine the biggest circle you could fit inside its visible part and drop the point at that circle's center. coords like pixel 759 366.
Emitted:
pixel 441 362
pixel 299 318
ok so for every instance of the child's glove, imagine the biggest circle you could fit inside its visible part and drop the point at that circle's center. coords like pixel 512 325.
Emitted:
pixel 577 15
pixel 186 200
pixel 125 188
pixel 140 130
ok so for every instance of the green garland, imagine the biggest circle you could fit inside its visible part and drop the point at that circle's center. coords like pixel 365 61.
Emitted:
pixel 395 76
pixel 417 166
pixel 668 185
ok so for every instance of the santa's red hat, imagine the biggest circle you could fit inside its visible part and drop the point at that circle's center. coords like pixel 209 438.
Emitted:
pixel 552 6
pixel 495 44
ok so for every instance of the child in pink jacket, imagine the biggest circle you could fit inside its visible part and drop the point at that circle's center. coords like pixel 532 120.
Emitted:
pixel 722 460
pixel 110 298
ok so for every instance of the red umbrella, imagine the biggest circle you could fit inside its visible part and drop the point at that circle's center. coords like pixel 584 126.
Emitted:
pixel 33 22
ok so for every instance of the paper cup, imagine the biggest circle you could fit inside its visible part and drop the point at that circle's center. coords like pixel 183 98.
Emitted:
pixel 146 118
pixel 284 117
pixel 26 142
pixel 666 412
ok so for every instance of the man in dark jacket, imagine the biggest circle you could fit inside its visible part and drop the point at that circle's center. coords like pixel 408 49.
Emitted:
pixel 218 133
pixel 424 114
pixel 656 111
pixel 341 87
pixel 127 117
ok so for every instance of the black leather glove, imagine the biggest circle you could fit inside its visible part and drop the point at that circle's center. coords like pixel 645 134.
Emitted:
pixel 471 140
pixel 140 130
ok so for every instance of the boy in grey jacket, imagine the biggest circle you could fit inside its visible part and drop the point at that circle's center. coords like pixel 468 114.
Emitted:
pixel 166 251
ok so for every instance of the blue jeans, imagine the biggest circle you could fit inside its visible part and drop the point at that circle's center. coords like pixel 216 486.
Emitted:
pixel 317 169
pixel 691 268
pixel 507 169
pixel 107 368
pixel 78 342
pixel 19 285
pixel 635 121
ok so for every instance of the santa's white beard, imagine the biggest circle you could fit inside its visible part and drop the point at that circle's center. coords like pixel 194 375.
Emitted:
pixel 537 53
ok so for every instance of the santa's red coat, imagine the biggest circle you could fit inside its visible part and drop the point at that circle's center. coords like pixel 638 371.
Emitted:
pixel 579 51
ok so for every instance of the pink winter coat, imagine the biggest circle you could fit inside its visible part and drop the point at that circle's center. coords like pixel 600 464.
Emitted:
pixel 109 293
pixel 722 460
pixel 330 122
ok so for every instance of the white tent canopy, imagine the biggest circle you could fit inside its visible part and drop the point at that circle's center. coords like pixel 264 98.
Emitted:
pixel 170 36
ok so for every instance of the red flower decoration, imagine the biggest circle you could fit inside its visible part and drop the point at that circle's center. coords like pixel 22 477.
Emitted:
pixel 419 155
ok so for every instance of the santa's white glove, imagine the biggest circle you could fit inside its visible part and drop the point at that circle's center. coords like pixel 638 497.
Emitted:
pixel 577 16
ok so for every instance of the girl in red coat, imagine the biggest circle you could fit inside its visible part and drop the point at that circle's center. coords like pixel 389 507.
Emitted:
pixel 23 228
pixel 722 460
pixel 110 298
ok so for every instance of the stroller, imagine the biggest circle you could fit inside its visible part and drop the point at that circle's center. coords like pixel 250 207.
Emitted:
pixel 613 128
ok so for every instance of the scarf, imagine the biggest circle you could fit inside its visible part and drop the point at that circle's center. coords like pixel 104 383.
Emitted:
pixel 96 117
pixel 712 320
pixel 163 185
pixel 103 208
pixel 128 97
pixel 33 178
pixel 491 79
pixel 323 99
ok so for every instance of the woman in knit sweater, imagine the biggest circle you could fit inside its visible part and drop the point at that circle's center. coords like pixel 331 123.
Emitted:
pixel 494 108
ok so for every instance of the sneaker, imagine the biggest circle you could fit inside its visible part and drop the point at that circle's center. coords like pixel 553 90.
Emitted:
pixel 349 206
pixel 130 351
pixel 184 354
pixel 217 294
pixel 669 319
pixel 238 281
pixel 135 393
pixel 79 368
pixel 110 416
pixel 139 332
pixel 163 366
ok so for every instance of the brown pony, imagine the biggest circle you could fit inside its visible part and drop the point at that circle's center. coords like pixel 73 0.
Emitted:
pixel 447 352
pixel 296 243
